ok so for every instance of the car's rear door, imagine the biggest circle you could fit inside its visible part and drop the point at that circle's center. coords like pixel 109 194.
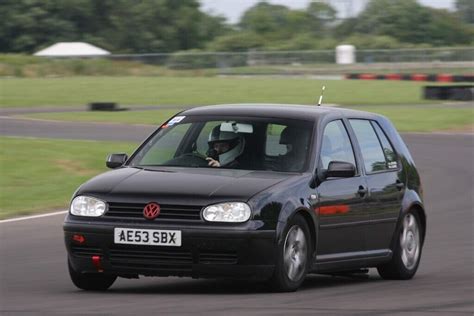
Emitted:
pixel 341 207
pixel 384 180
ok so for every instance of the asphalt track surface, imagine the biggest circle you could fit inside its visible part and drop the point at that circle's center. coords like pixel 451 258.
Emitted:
pixel 34 278
pixel 73 130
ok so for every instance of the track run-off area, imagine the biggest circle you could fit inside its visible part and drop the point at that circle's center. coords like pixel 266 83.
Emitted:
pixel 34 278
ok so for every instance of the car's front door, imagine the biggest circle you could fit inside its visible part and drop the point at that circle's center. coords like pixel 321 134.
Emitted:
pixel 342 201
pixel 383 174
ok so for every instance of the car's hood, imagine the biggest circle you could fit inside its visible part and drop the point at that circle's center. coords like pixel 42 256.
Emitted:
pixel 172 185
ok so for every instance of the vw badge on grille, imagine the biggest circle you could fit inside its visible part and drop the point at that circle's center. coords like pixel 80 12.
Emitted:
pixel 151 211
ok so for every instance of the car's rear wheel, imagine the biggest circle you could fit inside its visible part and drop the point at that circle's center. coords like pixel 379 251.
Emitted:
pixel 293 257
pixel 407 252
pixel 91 281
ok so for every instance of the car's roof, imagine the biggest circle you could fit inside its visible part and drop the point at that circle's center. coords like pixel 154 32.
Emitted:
pixel 290 111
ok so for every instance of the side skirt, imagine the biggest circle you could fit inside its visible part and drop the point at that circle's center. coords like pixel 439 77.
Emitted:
pixel 350 260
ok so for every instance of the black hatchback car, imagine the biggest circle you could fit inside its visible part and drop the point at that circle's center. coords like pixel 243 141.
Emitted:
pixel 269 192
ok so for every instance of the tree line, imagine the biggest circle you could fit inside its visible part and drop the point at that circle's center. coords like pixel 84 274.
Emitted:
pixel 153 26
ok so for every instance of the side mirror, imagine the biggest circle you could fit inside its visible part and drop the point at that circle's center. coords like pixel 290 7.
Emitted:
pixel 116 160
pixel 340 169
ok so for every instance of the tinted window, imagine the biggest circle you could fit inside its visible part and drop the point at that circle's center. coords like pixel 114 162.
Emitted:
pixel 374 158
pixel 286 146
pixel 253 143
pixel 273 147
pixel 390 155
pixel 202 142
pixel 164 148
pixel 336 144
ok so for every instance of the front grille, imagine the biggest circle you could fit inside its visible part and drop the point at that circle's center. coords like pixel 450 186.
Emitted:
pixel 86 251
pixel 165 258
pixel 135 210
pixel 147 258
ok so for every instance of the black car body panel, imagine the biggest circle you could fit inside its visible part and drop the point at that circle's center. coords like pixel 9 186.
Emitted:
pixel 352 221
pixel 204 186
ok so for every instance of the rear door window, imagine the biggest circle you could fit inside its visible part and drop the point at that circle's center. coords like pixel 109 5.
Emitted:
pixel 370 146
pixel 390 155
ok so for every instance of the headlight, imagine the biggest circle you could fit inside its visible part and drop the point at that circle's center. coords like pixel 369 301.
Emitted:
pixel 234 212
pixel 87 206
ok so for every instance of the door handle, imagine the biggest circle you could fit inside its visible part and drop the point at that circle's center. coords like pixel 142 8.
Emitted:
pixel 399 184
pixel 362 191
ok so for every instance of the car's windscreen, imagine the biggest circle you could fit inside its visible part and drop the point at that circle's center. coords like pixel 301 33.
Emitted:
pixel 229 142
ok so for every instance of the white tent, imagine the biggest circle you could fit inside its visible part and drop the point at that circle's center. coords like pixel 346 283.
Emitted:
pixel 72 49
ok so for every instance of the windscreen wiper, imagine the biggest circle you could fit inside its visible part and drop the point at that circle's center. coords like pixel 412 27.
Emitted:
pixel 145 167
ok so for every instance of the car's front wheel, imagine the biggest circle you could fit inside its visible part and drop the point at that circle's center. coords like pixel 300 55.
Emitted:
pixel 293 257
pixel 407 252
pixel 91 281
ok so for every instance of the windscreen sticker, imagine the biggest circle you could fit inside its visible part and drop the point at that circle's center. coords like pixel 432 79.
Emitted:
pixel 392 165
pixel 175 120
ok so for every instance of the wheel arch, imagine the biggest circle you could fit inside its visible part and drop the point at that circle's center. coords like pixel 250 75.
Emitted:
pixel 415 207
pixel 310 220
pixel 412 201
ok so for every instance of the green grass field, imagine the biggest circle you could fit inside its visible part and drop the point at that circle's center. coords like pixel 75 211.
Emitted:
pixel 71 91
pixel 42 174
pixel 406 119
pixel 425 119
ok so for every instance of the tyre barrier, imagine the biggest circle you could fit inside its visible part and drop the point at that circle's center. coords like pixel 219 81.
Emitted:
pixel 105 106
pixel 413 77
pixel 452 92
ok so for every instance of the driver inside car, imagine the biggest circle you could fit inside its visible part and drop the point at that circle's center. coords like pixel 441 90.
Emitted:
pixel 224 148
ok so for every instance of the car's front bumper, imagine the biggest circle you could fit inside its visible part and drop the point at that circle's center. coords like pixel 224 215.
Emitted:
pixel 221 252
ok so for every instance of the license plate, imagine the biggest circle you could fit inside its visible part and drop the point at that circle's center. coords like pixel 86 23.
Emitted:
pixel 151 237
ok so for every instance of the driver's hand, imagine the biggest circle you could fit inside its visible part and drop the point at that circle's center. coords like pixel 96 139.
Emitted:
pixel 213 162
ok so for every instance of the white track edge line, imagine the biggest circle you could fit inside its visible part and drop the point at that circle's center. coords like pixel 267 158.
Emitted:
pixel 31 217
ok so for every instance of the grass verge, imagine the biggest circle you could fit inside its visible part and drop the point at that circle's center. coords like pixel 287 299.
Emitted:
pixel 42 174
pixel 424 119
pixel 200 90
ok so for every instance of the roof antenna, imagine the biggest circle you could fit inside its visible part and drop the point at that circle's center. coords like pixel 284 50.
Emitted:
pixel 321 96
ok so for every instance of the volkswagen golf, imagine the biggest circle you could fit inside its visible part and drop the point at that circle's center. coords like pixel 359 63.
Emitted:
pixel 265 192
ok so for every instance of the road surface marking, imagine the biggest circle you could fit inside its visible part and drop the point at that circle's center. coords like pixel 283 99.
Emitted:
pixel 31 217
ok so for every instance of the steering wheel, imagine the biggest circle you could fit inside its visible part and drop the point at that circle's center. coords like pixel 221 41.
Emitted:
pixel 193 159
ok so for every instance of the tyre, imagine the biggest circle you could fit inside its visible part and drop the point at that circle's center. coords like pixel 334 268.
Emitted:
pixel 91 281
pixel 407 252
pixel 293 257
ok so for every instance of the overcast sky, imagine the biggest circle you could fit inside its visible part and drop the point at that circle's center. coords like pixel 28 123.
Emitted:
pixel 233 9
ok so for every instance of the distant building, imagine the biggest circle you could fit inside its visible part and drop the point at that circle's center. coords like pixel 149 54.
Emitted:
pixel 72 49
